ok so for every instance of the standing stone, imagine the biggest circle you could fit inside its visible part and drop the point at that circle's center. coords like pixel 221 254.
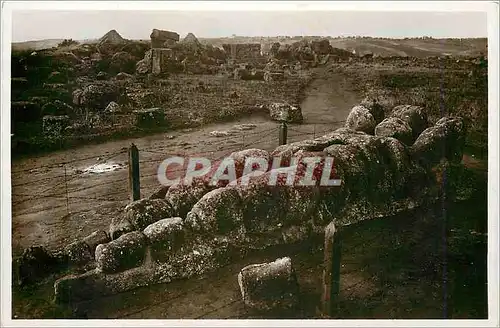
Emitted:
pixel 269 286
pixel 160 37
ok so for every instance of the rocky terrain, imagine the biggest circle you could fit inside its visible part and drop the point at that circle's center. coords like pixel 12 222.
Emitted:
pixel 219 97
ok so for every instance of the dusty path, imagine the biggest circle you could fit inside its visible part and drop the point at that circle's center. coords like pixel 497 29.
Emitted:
pixel 54 204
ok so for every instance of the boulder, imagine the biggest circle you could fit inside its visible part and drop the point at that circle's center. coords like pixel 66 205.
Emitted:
pixel 414 116
pixel 285 112
pixel 375 108
pixel 74 288
pixel 98 95
pixel 101 76
pixel 240 158
pixel 79 253
pixel 182 197
pixel 143 212
pixel 166 237
pixel 217 212
pixel 269 286
pixel 444 140
pixel 95 238
pixel 120 226
pixel 112 108
pixel 360 119
pixel 396 128
pixel 121 254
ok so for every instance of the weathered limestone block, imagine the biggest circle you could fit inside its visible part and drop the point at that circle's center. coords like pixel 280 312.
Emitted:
pixel 79 253
pixel 96 238
pixel 414 116
pixel 285 112
pixel 396 128
pixel 161 60
pixel 360 119
pixel 143 212
pixel 121 254
pixel 217 212
pixel 269 286
pixel 443 140
pixel 120 226
pixel 166 237
pixel 159 37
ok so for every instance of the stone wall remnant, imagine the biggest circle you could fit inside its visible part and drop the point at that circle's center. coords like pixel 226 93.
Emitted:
pixel 242 51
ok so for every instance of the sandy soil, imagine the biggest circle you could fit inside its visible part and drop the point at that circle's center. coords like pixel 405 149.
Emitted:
pixel 54 204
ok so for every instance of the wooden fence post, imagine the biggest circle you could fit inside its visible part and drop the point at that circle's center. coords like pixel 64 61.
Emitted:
pixel 283 133
pixel 331 271
pixel 133 173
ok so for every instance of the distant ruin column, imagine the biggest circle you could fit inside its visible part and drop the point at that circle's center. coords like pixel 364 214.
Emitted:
pixel 161 53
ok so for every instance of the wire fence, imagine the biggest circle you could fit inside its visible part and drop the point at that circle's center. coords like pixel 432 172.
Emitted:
pixel 77 179
pixel 70 182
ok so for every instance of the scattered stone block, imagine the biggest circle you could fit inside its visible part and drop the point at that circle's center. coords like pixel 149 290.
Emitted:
pixel 269 286
pixel 160 37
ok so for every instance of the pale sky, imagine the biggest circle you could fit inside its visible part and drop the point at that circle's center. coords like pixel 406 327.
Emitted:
pixel 36 24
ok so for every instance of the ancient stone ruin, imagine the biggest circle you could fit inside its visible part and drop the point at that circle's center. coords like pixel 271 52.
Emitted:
pixel 242 51
pixel 187 230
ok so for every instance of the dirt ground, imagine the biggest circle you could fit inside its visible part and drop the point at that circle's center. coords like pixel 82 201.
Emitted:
pixel 428 263
pixel 53 205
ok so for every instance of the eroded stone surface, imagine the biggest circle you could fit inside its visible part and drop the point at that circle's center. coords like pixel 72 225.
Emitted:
pixel 269 286
pixel 142 213
pixel 126 252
